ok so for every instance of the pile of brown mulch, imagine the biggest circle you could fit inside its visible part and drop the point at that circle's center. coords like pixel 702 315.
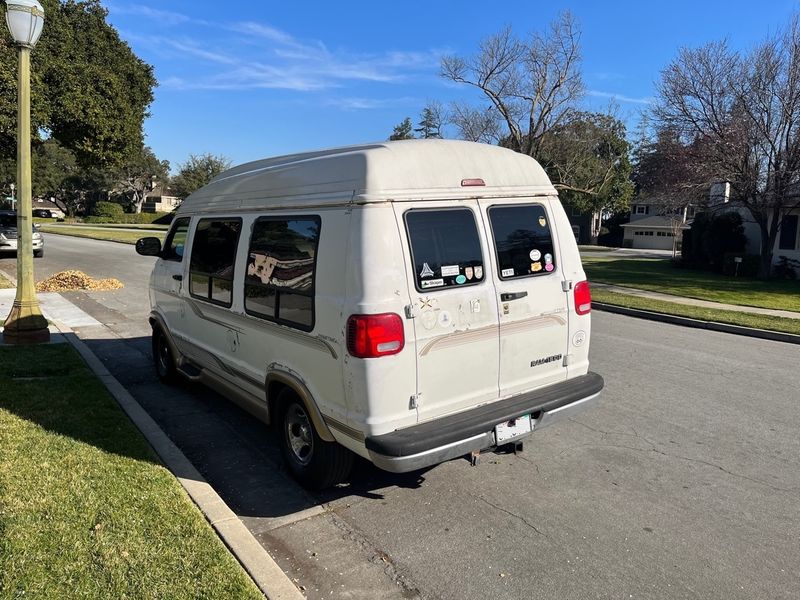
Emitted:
pixel 76 280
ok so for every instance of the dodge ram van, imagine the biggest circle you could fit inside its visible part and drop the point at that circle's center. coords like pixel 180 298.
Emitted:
pixel 409 302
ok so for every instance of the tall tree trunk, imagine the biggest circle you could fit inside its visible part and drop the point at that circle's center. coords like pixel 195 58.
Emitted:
pixel 769 233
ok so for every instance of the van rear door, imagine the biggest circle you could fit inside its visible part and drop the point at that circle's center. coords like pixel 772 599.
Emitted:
pixel 532 304
pixel 454 305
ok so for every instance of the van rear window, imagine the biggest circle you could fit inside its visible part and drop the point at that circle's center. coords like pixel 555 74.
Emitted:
pixel 445 248
pixel 523 240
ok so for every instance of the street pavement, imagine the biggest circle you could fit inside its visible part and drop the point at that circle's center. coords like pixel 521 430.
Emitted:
pixel 683 483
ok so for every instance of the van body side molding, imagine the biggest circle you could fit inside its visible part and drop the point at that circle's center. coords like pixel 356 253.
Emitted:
pixel 479 421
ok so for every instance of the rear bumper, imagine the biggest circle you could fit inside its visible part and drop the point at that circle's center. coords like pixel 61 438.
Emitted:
pixel 455 435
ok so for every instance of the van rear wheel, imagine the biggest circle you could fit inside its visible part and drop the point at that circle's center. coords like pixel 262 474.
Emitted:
pixel 315 463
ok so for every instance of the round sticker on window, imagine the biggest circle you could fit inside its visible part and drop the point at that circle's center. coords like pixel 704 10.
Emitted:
pixel 549 267
pixel 461 279
pixel 535 255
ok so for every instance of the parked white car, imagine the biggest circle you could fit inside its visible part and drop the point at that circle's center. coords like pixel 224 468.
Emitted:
pixel 8 235
pixel 409 302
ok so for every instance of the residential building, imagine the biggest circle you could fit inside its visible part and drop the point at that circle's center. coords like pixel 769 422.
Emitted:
pixel 649 228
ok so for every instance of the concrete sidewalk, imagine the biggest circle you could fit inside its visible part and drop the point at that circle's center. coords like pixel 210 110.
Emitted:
pixel 771 312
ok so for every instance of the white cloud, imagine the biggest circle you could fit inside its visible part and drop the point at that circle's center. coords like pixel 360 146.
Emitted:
pixel 620 97
pixel 267 57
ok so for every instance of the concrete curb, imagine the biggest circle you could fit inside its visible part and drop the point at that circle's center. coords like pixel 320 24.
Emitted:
pixel 265 572
pixel 765 334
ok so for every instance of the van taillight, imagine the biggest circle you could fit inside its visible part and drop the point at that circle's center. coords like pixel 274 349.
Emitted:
pixel 583 298
pixel 371 336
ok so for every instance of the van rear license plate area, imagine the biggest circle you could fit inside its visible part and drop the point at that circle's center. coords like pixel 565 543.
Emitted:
pixel 512 429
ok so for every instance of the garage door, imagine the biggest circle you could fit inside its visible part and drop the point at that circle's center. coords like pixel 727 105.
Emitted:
pixel 650 239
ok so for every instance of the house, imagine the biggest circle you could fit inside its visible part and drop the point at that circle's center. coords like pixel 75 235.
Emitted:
pixel 788 242
pixel 651 229
pixel 158 199
pixel 46 208
pixel 581 223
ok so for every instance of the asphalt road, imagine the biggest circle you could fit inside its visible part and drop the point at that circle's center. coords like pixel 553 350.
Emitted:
pixel 683 483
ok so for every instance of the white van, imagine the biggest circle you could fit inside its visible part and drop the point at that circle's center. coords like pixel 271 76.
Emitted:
pixel 409 302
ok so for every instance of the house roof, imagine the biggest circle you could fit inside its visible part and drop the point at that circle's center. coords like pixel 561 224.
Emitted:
pixel 655 222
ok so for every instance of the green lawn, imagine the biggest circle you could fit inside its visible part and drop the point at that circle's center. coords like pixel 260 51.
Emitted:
pixel 146 226
pixel 696 312
pixel 101 233
pixel 86 509
pixel 659 275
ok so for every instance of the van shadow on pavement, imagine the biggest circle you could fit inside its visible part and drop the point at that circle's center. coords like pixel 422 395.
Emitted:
pixel 236 453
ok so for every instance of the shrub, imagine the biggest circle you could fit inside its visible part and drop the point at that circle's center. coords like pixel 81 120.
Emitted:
pixel 711 237
pixel 747 268
pixel 108 210
pixel 99 220
pixel 787 268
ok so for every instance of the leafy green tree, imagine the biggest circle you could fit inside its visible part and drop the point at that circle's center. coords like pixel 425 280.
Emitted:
pixel 587 158
pixel 90 92
pixel 197 172
pixel 403 130
pixel 138 174
pixel 430 124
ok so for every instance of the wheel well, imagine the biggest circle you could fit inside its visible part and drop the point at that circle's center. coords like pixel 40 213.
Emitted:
pixel 274 390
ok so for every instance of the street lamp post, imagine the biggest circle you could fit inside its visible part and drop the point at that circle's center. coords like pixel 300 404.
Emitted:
pixel 25 323
pixel 13 197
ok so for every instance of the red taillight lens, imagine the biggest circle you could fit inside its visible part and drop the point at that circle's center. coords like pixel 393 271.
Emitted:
pixel 583 298
pixel 371 336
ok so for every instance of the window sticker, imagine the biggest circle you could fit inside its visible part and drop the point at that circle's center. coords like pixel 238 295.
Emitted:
pixel 450 271
pixel 535 255
pixel 507 272
pixel 461 279
pixel 548 258
pixel 479 272
pixel 468 273
pixel 549 267
pixel 429 283
pixel 426 271
pixel 542 221
pixel 536 267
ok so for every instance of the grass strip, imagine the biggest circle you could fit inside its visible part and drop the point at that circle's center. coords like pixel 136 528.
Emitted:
pixel 109 235
pixel 697 312
pixel 86 508
pixel 660 275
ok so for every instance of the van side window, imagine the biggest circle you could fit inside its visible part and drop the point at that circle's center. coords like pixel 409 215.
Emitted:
pixel 523 240
pixel 281 264
pixel 176 240
pixel 445 248
pixel 213 257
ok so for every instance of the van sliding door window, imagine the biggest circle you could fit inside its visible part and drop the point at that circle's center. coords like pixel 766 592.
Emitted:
pixel 523 240
pixel 212 262
pixel 445 248
pixel 281 263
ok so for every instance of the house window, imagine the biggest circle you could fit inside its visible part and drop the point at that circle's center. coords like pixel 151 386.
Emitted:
pixel 281 265
pixel 642 209
pixel 788 239
pixel 212 263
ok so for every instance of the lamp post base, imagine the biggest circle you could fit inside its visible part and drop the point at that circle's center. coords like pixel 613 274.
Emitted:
pixel 25 325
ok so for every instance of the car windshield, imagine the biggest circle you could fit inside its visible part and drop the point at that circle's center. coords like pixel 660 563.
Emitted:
pixel 7 221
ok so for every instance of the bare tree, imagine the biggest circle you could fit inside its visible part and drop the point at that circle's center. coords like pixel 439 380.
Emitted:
pixel 740 114
pixel 531 86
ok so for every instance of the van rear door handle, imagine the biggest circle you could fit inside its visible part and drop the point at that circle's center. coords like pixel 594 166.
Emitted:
pixel 512 296
pixel 178 277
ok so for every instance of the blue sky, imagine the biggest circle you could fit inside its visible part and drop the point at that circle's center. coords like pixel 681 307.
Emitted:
pixel 253 79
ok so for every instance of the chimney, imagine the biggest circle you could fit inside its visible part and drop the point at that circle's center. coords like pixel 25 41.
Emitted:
pixel 720 193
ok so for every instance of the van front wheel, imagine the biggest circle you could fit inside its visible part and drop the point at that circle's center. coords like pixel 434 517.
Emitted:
pixel 315 463
pixel 162 357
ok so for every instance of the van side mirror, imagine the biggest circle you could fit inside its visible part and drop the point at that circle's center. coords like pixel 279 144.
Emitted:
pixel 148 246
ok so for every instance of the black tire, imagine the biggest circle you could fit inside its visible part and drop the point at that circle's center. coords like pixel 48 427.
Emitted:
pixel 312 461
pixel 38 253
pixel 163 361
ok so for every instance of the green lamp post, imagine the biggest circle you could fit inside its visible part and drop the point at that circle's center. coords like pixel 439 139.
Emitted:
pixel 25 323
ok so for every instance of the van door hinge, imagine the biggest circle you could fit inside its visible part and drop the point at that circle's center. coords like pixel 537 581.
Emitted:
pixel 414 402
pixel 566 286
pixel 411 311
